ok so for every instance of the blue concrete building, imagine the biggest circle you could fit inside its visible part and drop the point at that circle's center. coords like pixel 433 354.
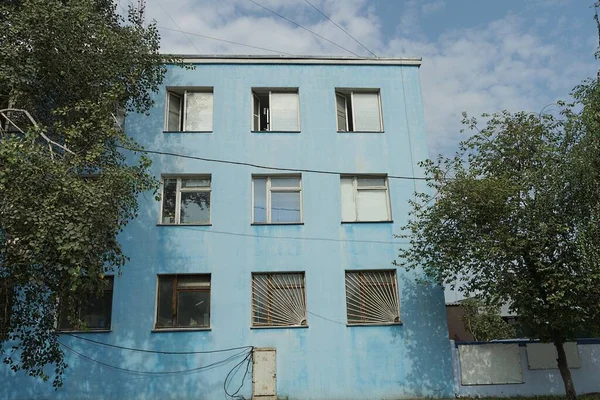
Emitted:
pixel 284 181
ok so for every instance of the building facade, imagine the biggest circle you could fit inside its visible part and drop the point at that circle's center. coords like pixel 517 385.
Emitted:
pixel 284 181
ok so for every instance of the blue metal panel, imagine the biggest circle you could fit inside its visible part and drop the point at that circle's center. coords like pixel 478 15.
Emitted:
pixel 328 360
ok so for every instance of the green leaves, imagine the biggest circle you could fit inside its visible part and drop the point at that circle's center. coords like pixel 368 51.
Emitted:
pixel 71 64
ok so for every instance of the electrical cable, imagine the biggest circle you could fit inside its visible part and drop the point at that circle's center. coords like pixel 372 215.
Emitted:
pixel 226 41
pixel 325 318
pixel 156 373
pixel 300 26
pixel 236 368
pixel 177 25
pixel 157 351
pixel 287 237
pixel 343 30
pixel 246 164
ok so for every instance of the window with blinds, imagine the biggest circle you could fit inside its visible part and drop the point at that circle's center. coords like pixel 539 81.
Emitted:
pixel 275 110
pixel 189 110
pixel 372 297
pixel 365 198
pixel 278 299
pixel 358 110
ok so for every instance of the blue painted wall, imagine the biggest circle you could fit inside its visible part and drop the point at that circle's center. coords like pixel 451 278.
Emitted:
pixel 327 360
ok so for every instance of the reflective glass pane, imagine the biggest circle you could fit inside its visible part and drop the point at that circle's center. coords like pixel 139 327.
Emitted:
pixel 293 182
pixel 97 312
pixel 198 111
pixel 371 182
pixel 195 207
pixel 190 281
pixel 195 182
pixel 174 117
pixel 169 200
pixel 193 308
pixel 260 200
pixel 164 316
pixel 371 205
pixel 285 207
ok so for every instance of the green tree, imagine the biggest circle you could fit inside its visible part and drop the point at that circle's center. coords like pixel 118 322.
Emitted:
pixel 514 217
pixel 484 321
pixel 66 189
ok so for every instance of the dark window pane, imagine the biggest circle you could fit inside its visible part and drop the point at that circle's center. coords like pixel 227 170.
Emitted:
pixel 96 313
pixel 165 302
pixel 195 208
pixel 195 182
pixel 260 200
pixel 285 207
pixel 169 200
pixel 193 281
pixel 193 309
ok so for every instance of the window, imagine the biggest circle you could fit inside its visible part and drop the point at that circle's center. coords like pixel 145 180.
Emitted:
pixel 278 299
pixel 189 110
pixel 95 313
pixel 358 111
pixel 186 200
pixel 277 199
pixel 183 301
pixel 365 199
pixel 372 297
pixel 275 110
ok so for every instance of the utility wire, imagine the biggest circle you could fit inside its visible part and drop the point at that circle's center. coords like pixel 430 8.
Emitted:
pixel 157 351
pixel 288 237
pixel 223 40
pixel 300 26
pixel 315 171
pixel 178 27
pixel 186 371
pixel 343 30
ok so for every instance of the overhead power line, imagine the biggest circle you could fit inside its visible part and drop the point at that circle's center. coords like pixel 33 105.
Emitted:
pixel 178 27
pixel 302 27
pixel 158 351
pixel 246 164
pixel 343 30
pixel 226 41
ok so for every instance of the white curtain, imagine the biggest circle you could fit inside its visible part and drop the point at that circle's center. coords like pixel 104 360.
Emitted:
pixel 371 205
pixel 366 112
pixel 198 111
pixel 284 112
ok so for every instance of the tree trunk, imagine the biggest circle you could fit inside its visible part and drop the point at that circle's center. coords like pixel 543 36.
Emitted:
pixel 563 367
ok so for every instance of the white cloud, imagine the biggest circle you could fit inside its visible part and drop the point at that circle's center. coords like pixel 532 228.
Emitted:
pixel 433 7
pixel 509 63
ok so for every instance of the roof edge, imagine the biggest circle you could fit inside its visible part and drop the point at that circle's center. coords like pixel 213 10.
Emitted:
pixel 264 59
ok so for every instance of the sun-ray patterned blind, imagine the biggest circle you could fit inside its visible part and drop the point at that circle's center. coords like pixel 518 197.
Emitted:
pixel 372 297
pixel 278 299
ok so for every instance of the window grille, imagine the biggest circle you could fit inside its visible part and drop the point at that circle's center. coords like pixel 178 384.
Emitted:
pixel 372 297
pixel 278 299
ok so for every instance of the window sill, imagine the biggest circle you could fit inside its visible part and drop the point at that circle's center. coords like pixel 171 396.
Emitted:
pixel 381 324
pixel 275 223
pixel 391 221
pixel 183 224
pixel 360 131
pixel 64 331
pixel 279 327
pixel 274 131
pixel 158 330
pixel 187 131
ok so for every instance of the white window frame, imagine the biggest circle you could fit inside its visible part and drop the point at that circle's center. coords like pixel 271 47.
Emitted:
pixel 356 189
pixel 182 94
pixel 256 91
pixel 277 189
pixel 350 93
pixel 178 192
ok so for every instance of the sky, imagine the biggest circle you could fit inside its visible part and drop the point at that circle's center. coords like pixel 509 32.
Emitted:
pixel 478 55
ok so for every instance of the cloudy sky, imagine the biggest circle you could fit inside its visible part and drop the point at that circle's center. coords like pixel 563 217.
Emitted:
pixel 478 56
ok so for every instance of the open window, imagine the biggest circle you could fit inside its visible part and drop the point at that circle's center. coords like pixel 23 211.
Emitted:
pixel 358 110
pixel 189 110
pixel 275 110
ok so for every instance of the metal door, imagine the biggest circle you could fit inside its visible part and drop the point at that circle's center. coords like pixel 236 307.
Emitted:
pixel 264 374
